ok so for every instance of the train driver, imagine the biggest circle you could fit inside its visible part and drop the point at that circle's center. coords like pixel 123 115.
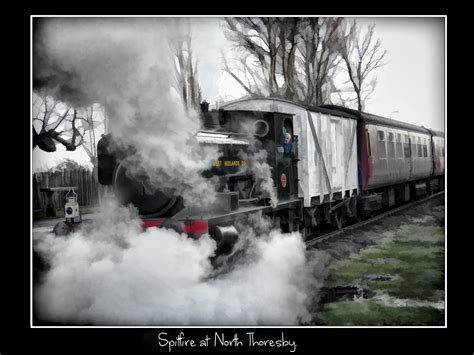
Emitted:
pixel 287 144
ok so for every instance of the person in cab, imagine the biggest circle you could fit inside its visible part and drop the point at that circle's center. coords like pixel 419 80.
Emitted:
pixel 287 145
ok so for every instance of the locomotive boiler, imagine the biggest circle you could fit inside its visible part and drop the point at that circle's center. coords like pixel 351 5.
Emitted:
pixel 343 164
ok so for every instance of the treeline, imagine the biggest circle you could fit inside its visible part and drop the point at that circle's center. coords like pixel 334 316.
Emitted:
pixel 298 58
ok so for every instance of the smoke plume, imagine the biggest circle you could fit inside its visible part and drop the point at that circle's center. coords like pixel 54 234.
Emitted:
pixel 256 157
pixel 127 66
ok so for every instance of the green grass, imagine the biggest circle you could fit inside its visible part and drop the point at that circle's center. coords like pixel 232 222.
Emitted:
pixel 414 256
pixel 368 312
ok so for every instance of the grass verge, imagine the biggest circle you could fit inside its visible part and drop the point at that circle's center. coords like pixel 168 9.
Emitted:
pixel 406 265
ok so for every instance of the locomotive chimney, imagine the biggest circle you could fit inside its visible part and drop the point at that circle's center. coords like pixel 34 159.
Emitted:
pixel 204 106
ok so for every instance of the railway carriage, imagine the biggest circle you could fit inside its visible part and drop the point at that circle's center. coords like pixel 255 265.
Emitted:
pixel 397 158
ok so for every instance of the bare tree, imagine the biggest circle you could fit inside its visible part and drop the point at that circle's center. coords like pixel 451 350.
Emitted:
pixel 53 123
pixel 93 118
pixel 249 79
pixel 319 58
pixel 301 52
pixel 257 39
pixel 287 50
pixel 186 72
pixel 361 57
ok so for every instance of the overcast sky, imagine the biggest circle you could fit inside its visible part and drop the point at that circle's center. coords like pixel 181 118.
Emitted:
pixel 413 80
pixel 410 87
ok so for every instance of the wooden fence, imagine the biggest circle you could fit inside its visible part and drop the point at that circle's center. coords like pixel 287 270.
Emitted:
pixel 88 188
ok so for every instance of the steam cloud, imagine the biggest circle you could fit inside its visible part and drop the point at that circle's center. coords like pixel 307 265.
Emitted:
pixel 112 272
pixel 127 66
pixel 256 157
pixel 257 163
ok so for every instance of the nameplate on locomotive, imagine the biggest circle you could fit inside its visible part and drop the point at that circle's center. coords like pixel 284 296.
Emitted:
pixel 230 163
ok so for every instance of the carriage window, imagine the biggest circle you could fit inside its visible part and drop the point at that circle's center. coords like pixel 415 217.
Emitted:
pixel 413 147
pixel 425 147
pixel 399 146
pixel 391 145
pixel 406 147
pixel 407 151
pixel 419 148
pixel 381 150
pixel 288 126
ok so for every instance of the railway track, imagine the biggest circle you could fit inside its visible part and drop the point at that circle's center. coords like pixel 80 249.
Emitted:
pixel 314 241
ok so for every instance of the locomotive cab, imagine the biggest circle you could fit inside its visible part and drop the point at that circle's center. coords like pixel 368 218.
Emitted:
pixel 264 131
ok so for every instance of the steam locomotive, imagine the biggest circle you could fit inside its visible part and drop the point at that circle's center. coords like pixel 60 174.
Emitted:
pixel 343 165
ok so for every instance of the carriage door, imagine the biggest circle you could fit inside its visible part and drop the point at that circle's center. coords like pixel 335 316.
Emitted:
pixel 409 152
pixel 285 173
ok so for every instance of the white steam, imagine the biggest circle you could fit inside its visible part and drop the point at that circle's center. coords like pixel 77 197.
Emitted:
pixel 113 273
pixel 256 158
pixel 263 173
pixel 127 66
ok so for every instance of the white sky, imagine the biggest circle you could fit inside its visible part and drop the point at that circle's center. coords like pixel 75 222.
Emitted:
pixel 412 82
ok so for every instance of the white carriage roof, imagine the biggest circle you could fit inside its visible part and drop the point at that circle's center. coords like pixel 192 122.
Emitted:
pixel 381 121
pixel 232 104
pixel 341 111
